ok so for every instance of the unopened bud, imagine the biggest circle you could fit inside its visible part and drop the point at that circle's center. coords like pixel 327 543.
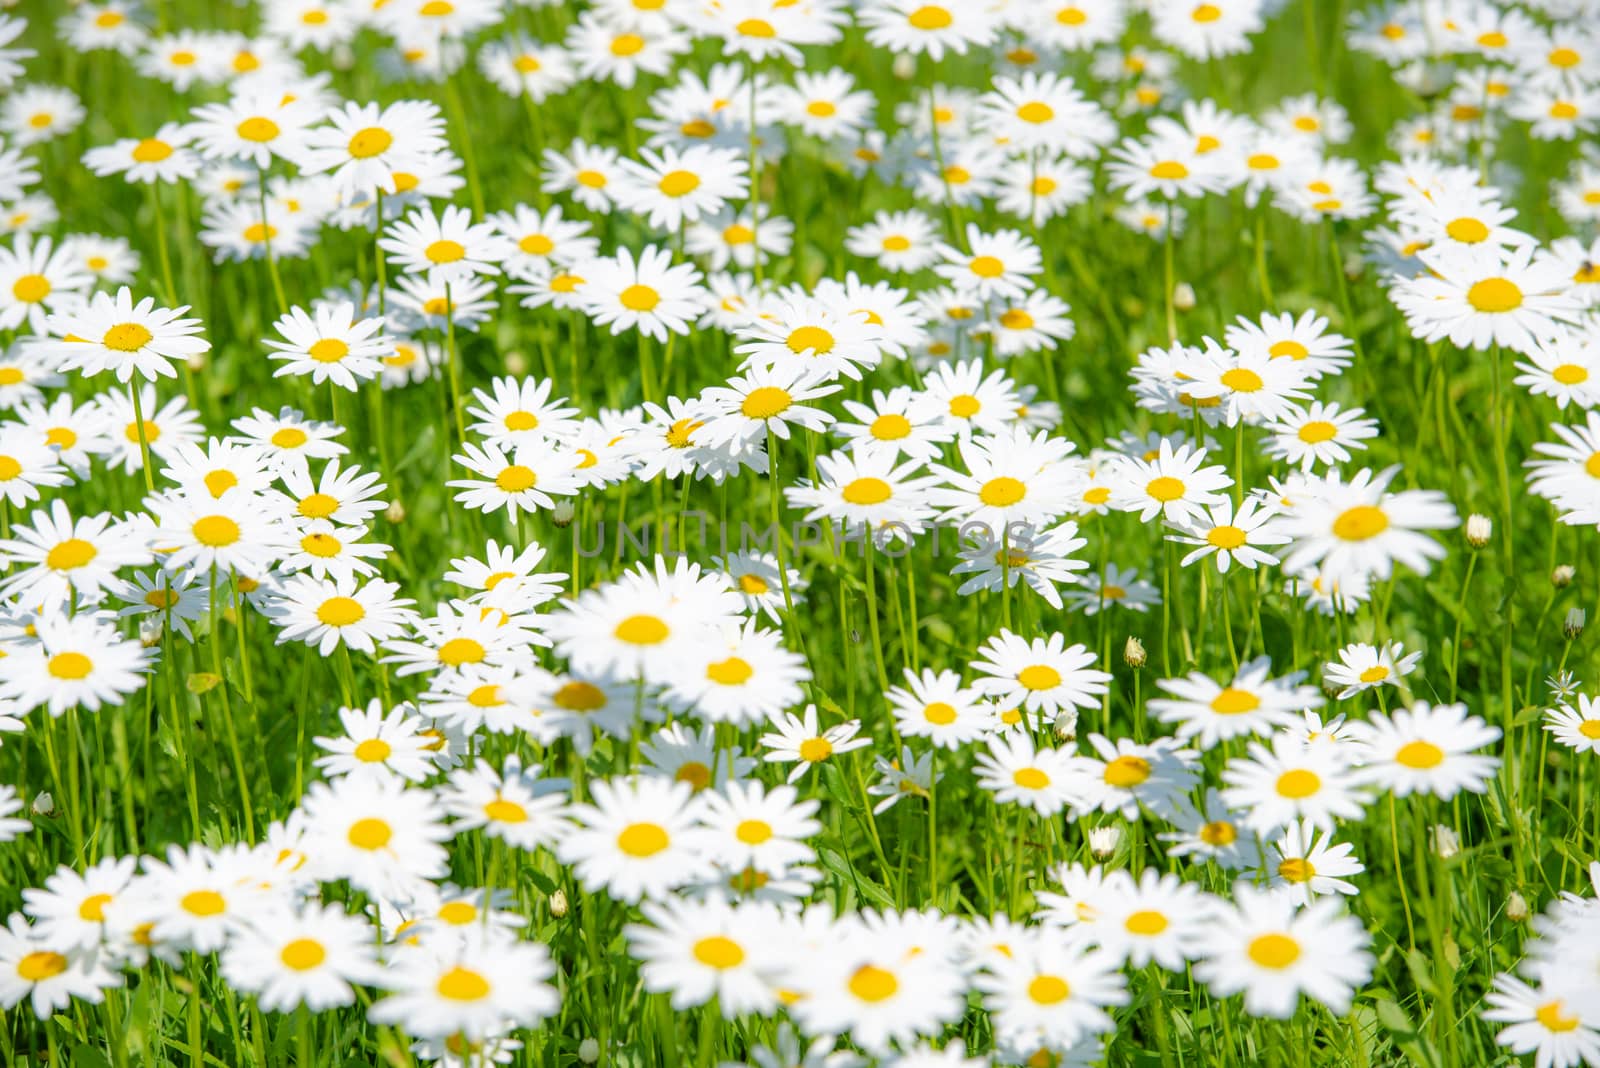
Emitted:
pixel 44 805
pixel 1516 907
pixel 1561 577
pixel 1133 653
pixel 395 513
pixel 558 904
pixel 588 1051
pixel 516 363
pixel 1479 528
pixel 904 67
pixel 1065 727
pixel 1443 841
pixel 197 361
pixel 1572 626
pixel 1183 297
pixel 150 628
pixel 1103 841
pixel 561 514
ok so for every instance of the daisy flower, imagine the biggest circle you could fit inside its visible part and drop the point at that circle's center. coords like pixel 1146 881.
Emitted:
pixel 1361 527
pixel 449 247
pixel 1367 667
pixel 375 832
pixel 36 279
pixel 113 333
pixel 1159 918
pixel 1124 776
pixel 696 951
pixel 514 804
pixel 378 743
pixel 365 146
pixel 801 741
pixel 1261 944
pixel 33 969
pixel 1172 485
pixel 308 957
pixel 333 345
pixel 1044 674
pixel 1576 728
pixel 1231 535
pixel 474 985
pixel 1040 560
pixel 327 612
pixel 1320 433
pixel 650 294
pixel 75 660
pixel 634 840
pixel 1292 781
pixel 998 265
pixel 52 554
pixel 1310 866
pixel 521 478
pixel 1477 297
pixel 1017 773
pixel 161 157
pixel 1540 1021
pixel 1051 991
pixel 671 187
pixel 915 27
pixel 1426 749
pixel 897 240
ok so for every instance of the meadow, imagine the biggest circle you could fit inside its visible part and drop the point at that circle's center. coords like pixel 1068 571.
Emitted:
pixel 799 533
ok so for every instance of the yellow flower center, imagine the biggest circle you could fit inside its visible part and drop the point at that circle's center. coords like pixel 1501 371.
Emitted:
pixel 576 696
pixel 1164 488
pixel 340 611
pixel 215 531
pixel 1169 170
pixel 1206 13
pixel 871 983
pixel 1242 380
pixel 753 832
pixel 964 405
pixel 1039 677
pixel 1297 870
pixel 38 966
pixel 462 984
pixel 1002 492
pixel 1376 673
pixel 502 811
pixel 1232 702
pixel 1030 778
pixel 303 954
pixel 258 129
pixel 31 288
pixel 1048 989
pixel 1494 296
pixel 1360 523
pixel 642 630
pixel 866 491
pixel 373 751
pixel 93 908
pixel 641 840
pixel 70 666
pixel 1145 922
pixel 203 903
pixel 369 833
pixel 151 150
pixel 1127 771
pixel 370 142
pixel 445 251
pixel 679 183
pixel 516 478
pixel 930 17
pixel 1553 1016
pixel 718 952
pixel 1298 783
pixel 639 298
pixel 1419 755
pixel 627 44
pixel 939 714
pixel 766 402
pixel 815 750
pixel 733 671
pixel 1275 951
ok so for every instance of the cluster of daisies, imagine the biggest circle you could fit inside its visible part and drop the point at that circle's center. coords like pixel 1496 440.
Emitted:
pixel 693 779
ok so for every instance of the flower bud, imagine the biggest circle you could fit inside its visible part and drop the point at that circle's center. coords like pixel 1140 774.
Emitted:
pixel 395 513
pixel 516 363
pixel 588 1051
pixel 1479 527
pixel 904 67
pixel 1443 841
pixel 561 514
pixel 196 361
pixel 1133 653
pixel 1516 907
pixel 1561 577
pixel 1103 841
pixel 150 628
pixel 44 805
pixel 1065 727
pixel 1183 297
pixel 1572 626
pixel 558 903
